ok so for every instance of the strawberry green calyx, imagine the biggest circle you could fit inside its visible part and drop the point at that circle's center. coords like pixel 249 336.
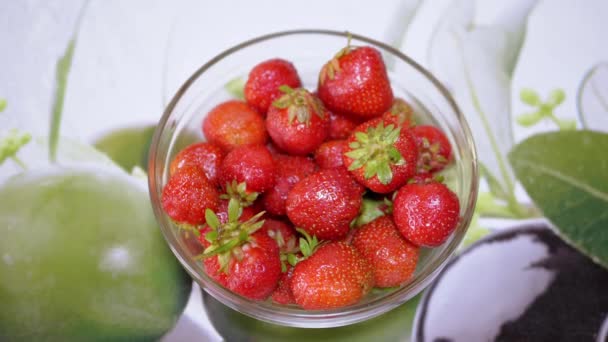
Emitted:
pixel 332 68
pixel 430 156
pixel 11 144
pixel 299 104
pixel 371 209
pixel 307 246
pixel 226 239
pixel 2 105
pixel 289 249
pixel 375 151
pixel 238 191
pixel 402 112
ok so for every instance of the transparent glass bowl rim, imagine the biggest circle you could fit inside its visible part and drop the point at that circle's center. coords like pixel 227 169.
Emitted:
pixel 296 317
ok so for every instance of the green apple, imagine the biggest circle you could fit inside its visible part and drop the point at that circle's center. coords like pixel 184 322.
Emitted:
pixel 395 325
pixel 128 147
pixel 82 259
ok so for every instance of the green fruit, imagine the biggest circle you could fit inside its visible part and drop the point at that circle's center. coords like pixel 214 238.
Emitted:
pixel 128 147
pixel 82 259
pixel 394 325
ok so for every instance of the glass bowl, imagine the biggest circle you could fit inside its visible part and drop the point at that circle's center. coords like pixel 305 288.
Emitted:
pixel 308 50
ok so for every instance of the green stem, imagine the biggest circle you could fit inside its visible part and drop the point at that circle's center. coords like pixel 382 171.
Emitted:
pixel 19 162
pixel 61 79
pixel 513 204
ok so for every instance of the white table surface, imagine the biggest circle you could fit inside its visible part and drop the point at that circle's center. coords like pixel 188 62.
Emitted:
pixel 132 55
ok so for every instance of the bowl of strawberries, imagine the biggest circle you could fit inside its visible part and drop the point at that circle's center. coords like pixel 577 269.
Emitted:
pixel 331 187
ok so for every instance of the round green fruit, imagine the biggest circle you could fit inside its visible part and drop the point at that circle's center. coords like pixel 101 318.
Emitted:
pixel 82 259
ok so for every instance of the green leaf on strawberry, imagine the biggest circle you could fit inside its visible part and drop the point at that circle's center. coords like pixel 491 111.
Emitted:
pixel 298 102
pixel 374 151
pixel 225 239
pixel 239 192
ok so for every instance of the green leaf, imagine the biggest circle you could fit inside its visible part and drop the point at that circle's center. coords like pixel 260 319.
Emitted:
pixel 11 144
pixel 305 247
pixel 529 97
pixel 529 119
pixel 236 87
pixel 61 79
pixel 566 176
pixel 556 97
pixel 479 73
pixel 592 98
pixel 211 219
pixel 2 105
pixel 234 210
pixel 371 209
pixel 211 236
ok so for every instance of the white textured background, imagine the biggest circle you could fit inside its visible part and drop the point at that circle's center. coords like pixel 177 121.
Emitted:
pixel 132 55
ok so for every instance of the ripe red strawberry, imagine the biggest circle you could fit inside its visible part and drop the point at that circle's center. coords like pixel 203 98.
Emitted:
pixel 340 125
pixel 251 164
pixel 334 276
pixel 187 195
pixel 289 171
pixel 283 233
pixel 355 82
pixel 239 257
pixel 330 154
pixel 381 156
pixel 297 122
pixel 324 203
pixel 234 123
pixel 392 257
pixel 204 155
pixel 401 114
pixel 282 294
pixel 264 80
pixel 434 149
pixel 287 240
pixel 222 211
pixel 426 214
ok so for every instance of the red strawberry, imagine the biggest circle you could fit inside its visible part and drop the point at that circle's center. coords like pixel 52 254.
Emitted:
pixel 264 80
pixel 381 157
pixel 251 164
pixel 282 233
pixel 426 214
pixel 204 155
pixel 239 257
pixel 434 150
pixel 297 122
pixel 324 203
pixel 287 240
pixel 234 123
pixel 392 257
pixel 222 211
pixel 330 154
pixel 187 195
pixel 340 126
pixel 334 276
pixel 282 294
pixel 401 114
pixel 355 82
pixel 289 171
